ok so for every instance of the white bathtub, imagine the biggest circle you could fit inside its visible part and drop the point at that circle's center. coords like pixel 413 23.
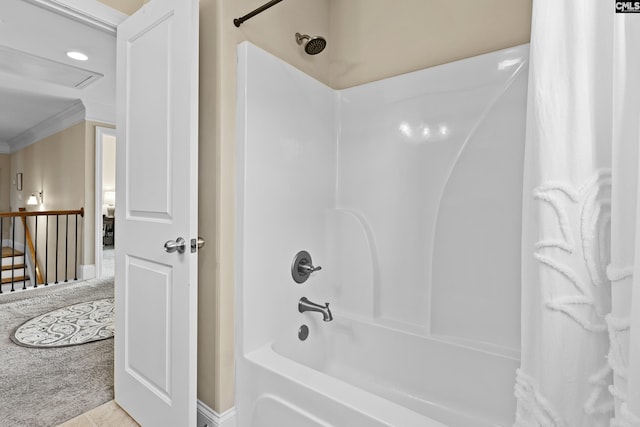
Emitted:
pixel 407 192
pixel 286 393
pixel 356 373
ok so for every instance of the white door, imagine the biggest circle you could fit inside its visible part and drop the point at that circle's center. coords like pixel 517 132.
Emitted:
pixel 156 202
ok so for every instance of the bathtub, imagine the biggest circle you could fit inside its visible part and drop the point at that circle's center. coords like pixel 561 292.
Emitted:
pixel 353 372
pixel 407 192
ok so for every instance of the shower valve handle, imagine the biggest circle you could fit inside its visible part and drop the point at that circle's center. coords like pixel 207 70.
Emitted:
pixel 308 268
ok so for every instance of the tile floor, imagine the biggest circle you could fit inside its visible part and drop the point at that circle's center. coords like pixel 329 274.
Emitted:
pixel 107 415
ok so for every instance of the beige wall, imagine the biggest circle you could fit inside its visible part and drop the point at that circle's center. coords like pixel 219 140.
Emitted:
pixel 109 163
pixel 54 165
pixel 207 172
pixel 375 39
pixel 5 182
pixel 125 6
pixel 5 187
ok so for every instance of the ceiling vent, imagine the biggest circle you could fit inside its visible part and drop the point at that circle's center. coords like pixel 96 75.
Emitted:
pixel 36 67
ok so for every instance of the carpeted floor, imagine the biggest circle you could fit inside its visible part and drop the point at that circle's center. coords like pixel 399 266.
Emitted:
pixel 108 261
pixel 45 387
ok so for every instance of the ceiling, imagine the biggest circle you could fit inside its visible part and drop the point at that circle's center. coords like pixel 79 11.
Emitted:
pixel 33 32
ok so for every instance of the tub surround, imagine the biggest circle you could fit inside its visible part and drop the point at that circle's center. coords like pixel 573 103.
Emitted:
pixel 430 165
pixel 407 192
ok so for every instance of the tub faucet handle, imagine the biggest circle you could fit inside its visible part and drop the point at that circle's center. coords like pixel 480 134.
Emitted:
pixel 308 268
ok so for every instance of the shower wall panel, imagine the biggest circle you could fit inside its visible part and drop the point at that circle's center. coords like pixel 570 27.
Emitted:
pixel 286 187
pixel 431 164
pixel 475 280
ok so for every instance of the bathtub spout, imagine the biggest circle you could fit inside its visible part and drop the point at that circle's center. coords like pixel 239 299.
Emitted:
pixel 305 305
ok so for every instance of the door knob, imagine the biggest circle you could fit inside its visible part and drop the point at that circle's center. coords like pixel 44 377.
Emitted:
pixel 178 245
pixel 197 244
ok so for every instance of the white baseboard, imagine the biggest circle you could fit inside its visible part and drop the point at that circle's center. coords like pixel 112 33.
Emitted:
pixel 207 417
pixel 86 271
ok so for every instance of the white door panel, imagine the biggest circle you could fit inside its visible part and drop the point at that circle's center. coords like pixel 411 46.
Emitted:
pixel 156 291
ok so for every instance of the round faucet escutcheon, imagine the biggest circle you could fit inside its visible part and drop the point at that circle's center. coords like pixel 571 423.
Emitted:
pixel 302 267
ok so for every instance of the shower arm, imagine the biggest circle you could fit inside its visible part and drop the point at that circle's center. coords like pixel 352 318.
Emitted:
pixel 238 21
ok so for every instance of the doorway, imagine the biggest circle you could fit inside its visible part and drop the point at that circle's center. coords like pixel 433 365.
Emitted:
pixel 105 197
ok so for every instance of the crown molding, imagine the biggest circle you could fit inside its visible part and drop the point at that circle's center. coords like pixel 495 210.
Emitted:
pixel 100 120
pixel 89 12
pixel 101 113
pixel 54 124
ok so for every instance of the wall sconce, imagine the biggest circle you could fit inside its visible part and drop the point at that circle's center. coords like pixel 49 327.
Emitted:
pixel 35 200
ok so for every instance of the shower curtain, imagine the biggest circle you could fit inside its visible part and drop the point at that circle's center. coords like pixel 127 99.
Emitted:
pixel 579 218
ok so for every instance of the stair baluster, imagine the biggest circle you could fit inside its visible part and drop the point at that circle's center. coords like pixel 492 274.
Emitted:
pixel 76 257
pixel 35 254
pixel 46 256
pixel 24 265
pixel 66 249
pixel 57 249
pixel 13 251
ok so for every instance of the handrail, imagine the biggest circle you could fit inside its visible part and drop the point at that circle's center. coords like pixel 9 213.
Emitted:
pixel 23 213
pixel 32 250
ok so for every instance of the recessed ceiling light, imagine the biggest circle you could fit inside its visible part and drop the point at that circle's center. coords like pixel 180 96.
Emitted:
pixel 78 56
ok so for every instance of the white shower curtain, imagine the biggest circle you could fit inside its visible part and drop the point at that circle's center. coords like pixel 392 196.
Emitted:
pixel 579 219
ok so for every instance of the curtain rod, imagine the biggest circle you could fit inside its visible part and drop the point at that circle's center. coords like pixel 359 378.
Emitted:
pixel 238 21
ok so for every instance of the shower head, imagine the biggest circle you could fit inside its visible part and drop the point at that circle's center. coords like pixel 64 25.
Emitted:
pixel 312 45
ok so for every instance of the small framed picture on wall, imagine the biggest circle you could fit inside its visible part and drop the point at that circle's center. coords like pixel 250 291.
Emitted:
pixel 19 181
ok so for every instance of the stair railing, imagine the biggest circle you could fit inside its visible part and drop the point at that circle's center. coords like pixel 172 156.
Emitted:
pixel 42 219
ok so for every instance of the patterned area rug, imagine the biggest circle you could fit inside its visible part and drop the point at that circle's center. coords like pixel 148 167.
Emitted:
pixel 76 324
pixel 44 387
